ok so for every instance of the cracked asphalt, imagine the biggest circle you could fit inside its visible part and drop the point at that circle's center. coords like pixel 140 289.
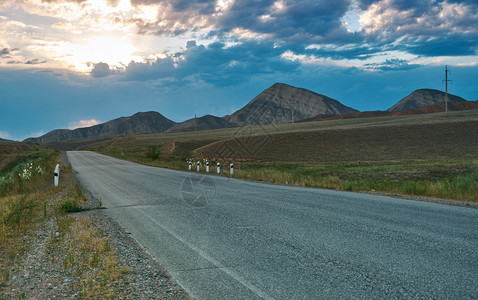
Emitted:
pixel 223 238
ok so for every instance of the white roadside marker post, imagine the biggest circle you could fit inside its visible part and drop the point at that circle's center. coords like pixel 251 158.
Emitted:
pixel 198 166
pixel 218 168
pixel 56 175
pixel 207 167
pixel 232 169
pixel 190 165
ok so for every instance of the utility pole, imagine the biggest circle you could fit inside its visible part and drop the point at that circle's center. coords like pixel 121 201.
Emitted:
pixel 195 122
pixel 446 88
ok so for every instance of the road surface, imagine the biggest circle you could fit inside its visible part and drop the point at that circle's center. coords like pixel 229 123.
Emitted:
pixel 224 238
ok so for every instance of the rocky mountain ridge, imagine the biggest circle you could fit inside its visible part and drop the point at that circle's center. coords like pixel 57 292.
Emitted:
pixel 142 122
pixel 280 103
pixel 283 103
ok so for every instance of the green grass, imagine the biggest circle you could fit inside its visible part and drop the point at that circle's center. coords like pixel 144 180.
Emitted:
pixel 455 179
pixel 69 206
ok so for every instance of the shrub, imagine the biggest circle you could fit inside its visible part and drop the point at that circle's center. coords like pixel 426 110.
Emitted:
pixel 153 152
pixel 70 207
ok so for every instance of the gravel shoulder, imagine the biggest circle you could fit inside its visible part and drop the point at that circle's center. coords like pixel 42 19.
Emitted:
pixel 48 270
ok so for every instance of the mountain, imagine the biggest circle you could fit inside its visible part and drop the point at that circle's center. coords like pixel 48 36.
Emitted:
pixel 282 103
pixel 429 109
pixel 421 98
pixel 142 122
pixel 4 140
pixel 207 122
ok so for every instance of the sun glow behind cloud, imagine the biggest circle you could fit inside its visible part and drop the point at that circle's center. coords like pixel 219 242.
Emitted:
pixel 75 35
pixel 114 50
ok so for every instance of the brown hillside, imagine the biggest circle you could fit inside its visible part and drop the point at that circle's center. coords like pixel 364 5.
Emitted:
pixel 282 103
pixel 435 108
pixel 406 142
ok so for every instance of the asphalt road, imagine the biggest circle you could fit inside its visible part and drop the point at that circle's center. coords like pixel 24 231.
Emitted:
pixel 224 238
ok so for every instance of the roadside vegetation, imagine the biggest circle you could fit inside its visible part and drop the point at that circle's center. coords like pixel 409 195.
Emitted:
pixel 26 170
pixel 29 202
pixel 455 179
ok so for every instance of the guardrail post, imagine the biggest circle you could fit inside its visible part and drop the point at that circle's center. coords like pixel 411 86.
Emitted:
pixel 207 167
pixel 218 168
pixel 56 174
pixel 232 169
pixel 198 166
pixel 190 165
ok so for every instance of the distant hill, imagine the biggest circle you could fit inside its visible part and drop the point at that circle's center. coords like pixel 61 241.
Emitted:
pixel 207 122
pixel 434 108
pixel 282 103
pixel 142 122
pixel 4 140
pixel 421 98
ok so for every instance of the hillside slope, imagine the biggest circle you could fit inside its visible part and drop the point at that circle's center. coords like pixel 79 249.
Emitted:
pixel 207 122
pixel 421 98
pixel 282 103
pixel 142 122
pixel 434 108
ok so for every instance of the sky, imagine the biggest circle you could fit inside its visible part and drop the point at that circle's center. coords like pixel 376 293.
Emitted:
pixel 77 63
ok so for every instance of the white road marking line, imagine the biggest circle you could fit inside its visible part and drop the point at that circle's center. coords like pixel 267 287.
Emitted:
pixel 204 255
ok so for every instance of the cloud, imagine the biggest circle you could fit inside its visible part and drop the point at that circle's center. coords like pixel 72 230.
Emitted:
pixel 431 28
pixel 101 70
pixel 5 52
pixel 35 61
pixel 392 65
pixel 36 134
pixel 275 20
pixel 215 63
pixel 5 135
pixel 290 21
pixel 83 123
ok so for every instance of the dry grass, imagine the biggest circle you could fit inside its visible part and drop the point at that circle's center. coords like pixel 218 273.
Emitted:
pixel 23 200
pixel 87 255
pixel 29 202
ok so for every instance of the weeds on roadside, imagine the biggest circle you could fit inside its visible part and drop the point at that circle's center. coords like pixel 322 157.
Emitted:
pixel 25 184
pixel 86 254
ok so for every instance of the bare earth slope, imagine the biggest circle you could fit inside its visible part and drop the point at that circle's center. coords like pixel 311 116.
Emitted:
pixel 282 103
pixel 423 97
pixel 372 139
